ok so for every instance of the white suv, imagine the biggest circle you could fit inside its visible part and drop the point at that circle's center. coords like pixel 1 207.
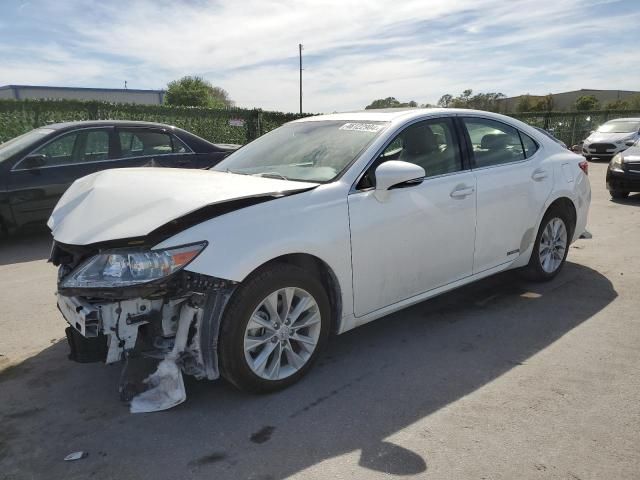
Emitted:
pixel 610 138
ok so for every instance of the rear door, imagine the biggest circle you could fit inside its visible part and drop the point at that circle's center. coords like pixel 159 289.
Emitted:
pixel 34 192
pixel 513 184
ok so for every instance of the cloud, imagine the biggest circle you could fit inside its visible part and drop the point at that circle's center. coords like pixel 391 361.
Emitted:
pixel 354 51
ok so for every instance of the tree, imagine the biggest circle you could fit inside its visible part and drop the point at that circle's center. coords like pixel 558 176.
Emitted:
pixel 617 105
pixel 587 102
pixel 389 102
pixel 479 101
pixel 196 92
pixel 525 104
pixel 634 102
pixel 445 100
pixel 544 104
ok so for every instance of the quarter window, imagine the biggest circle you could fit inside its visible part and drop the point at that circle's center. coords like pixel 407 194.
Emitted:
pixel 530 146
pixel 494 143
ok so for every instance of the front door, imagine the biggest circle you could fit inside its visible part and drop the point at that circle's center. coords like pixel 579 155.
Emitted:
pixel 421 237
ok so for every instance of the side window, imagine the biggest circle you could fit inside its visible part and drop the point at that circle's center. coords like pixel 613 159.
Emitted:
pixel 430 144
pixel 76 147
pixel 96 146
pixel 494 143
pixel 530 146
pixel 139 142
pixel 59 151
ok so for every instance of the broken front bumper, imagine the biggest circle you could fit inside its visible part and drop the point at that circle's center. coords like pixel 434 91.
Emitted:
pixel 179 331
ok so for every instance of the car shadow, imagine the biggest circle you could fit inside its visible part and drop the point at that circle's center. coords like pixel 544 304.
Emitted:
pixel 632 199
pixel 370 383
pixel 25 246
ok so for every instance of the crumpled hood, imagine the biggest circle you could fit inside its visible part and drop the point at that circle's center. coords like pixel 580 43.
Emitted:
pixel 597 137
pixel 132 202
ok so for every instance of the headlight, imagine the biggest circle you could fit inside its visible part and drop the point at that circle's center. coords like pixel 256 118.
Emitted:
pixel 616 162
pixel 127 267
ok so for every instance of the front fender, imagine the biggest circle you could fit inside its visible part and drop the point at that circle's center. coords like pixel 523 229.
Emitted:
pixel 314 223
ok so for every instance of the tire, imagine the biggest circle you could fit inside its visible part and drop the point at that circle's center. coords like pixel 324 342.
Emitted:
pixel 618 194
pixel 587 158
pixel 286 359
pixel 542 271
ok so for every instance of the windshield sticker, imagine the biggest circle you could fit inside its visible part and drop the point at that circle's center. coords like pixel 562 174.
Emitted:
pixel 362 127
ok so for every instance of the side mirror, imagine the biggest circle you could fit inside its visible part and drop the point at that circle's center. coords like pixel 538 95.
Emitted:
pixel 36 160
pixel 630 143
pixel 396 173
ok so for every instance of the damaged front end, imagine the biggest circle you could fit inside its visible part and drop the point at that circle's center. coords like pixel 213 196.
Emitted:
pixel 139 306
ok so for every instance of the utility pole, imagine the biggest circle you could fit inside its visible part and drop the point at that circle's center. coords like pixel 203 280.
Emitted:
pixel 300 54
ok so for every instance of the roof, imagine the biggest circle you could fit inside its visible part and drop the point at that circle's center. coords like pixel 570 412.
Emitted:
pixel 87 89
pixel 102 123
pixel 395 114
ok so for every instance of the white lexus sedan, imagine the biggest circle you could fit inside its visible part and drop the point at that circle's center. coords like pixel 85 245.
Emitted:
pixel 322 225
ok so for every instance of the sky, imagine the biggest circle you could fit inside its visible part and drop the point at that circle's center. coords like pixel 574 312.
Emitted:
pixel 354 51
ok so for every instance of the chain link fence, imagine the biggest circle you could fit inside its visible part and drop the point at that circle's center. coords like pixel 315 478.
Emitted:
pixel 241 125
pixel 572 127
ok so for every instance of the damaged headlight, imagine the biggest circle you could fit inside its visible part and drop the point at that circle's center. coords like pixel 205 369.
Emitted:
pixel 126 267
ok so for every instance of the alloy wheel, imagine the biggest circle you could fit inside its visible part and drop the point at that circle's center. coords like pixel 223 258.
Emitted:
pixel 553 245
pixel 282 333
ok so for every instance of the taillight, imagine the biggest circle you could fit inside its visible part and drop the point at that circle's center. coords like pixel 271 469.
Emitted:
pixel 584 166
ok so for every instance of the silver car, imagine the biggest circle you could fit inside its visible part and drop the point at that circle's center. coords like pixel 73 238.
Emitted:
pixel 611 138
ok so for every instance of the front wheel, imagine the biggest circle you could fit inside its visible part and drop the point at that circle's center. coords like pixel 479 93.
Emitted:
pixel 275 325
pixel 618 194
pixel 551 246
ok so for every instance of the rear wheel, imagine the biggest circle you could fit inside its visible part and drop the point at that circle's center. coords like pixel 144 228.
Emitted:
pixel 273 329
pixel 551 246
pixel 618 194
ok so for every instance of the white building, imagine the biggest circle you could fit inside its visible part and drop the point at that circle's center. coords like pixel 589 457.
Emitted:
pixel 115 95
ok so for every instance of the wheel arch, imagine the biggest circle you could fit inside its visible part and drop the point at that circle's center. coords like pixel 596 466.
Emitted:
pixel 567 205
pixel 324 273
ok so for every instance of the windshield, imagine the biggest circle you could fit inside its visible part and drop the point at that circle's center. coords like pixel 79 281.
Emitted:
pixel 623 126
pixel 311 151
pixel 10 147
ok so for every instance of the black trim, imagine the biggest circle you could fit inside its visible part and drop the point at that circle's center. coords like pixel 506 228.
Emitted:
pixel 466 148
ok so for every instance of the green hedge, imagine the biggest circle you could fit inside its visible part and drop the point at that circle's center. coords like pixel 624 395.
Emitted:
pixel 20 116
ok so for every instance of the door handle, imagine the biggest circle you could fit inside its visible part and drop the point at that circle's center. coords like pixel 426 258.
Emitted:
pixel 462 192
pixel 539 175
